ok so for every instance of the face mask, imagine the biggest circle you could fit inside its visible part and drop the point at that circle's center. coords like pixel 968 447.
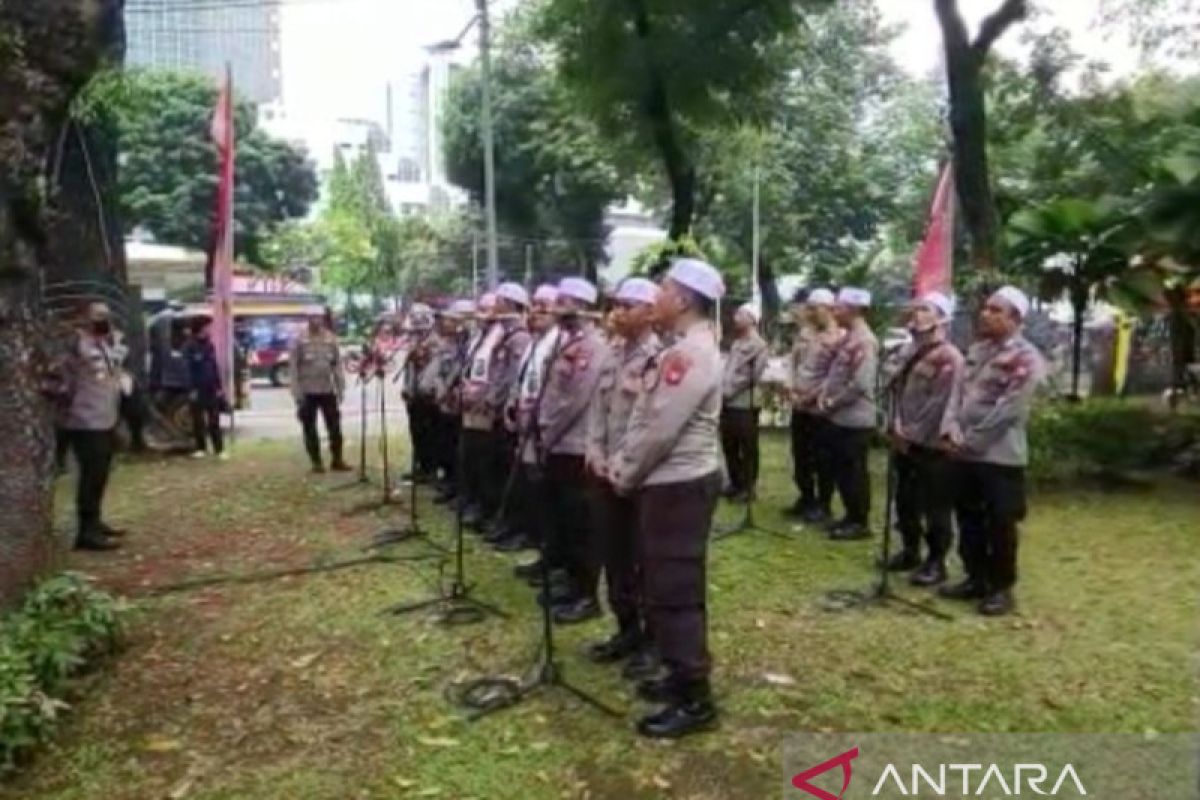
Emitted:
pixel 101 328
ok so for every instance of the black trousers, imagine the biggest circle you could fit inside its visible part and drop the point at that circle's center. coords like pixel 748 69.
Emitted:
pixel 529 506
pixel 812 465
pixel 206 423
pixel 674 521
pixel 571 535
pixel 925 501
pixel 327 404
pixel 422 422
pixel 446 430
pixel 849 448
pixel 476 459
pixel 739 440
pixel 94 453
pixel 617 545
pixel 990 502
pixel 133 411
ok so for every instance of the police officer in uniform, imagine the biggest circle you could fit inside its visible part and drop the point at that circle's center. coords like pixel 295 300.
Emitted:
pixel 634 345
pixel 816 345
pixel 417 383
pixel 744 367
pixel 478 420
pixel 987 437
pixel 318 384
pixel 930 369
pixel 848 400
pixel 562 427
pixel 669 463
pixel 512 303
pixel 93 384
pixel 524 523
pixel 444 366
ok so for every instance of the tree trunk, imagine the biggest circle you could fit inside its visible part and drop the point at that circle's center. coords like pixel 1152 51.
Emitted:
pixel 768 289
pixel 1183 337
pixel 60 44
pixel 1079 306
pixel 681 172
pixel 968 120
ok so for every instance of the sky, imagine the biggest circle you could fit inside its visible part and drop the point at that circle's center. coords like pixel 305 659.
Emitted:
pixel 339 55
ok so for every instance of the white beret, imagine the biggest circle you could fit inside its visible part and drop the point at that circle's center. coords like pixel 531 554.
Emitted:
pixel 637 290
pixel 577 288
pixel 750 311
pixel 487 301
pixel 699 277
pixel 546 293
pixel 420 316
pixel 853 296
pixel 937 301
pixel 1013 297
pixel 461 308
pixel 820 297
pixel 514 292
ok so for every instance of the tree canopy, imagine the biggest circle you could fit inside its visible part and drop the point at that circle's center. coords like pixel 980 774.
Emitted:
pixel 168 173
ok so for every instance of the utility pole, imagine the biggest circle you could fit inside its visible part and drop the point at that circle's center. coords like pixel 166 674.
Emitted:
pixel 489 145
pixel 756 245
pixel 474 262
pixel 529 263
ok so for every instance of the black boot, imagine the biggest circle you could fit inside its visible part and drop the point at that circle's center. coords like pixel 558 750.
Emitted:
pixel 582 610
pixel 850 532
pixel 904 561
pixel 624 643
pixel 661 689
pixel 967 590
pixel 644 664
pixel 526 571
pixel 514 543
pixel 798 509
pixel 931 573
pixel 95 540
pixel 816 516
pixel 693 712
pixel 997 604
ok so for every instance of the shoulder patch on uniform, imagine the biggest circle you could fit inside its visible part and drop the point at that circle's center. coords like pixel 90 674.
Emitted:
pixel 675 367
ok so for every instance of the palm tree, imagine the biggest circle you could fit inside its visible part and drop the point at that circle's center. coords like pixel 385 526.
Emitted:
pixel 1081 249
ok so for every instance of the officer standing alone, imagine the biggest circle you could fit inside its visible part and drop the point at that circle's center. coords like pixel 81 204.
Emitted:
pixel 318 385
pixel 988 438
pixel 670 465
pixel 744 367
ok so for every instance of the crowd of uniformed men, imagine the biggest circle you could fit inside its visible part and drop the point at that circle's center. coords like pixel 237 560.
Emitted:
pixel 596 438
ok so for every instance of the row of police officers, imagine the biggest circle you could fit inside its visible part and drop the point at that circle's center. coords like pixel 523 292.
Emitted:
pixel 594 438
pixel 956 427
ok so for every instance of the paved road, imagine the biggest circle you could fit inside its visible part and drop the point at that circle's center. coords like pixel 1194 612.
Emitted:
pixel 272 413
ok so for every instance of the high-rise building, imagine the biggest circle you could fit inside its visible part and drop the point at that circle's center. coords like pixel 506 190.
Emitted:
pixel 205 35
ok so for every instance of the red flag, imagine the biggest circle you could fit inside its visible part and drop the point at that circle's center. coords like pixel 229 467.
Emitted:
pixel 933 267
pixel 221 277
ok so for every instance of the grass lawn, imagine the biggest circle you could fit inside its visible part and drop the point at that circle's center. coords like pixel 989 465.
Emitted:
pixel 298 688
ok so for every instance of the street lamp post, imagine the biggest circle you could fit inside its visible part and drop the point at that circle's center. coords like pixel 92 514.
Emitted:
pixel 488 135
pixel 489 145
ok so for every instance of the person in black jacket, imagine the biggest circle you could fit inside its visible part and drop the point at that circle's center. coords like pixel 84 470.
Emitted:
pixel 206 396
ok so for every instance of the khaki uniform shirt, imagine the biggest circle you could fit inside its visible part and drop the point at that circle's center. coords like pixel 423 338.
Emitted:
pixel 743 370
pixel 506 367
pixel 617 391
pixel 94 380
pixel 316 365
pixel 672 431
pixel 570 382
pixel 475 380
pixel 924 390
pixel 993 401
pixel 848 394
pixel 528 390
pixel 812 357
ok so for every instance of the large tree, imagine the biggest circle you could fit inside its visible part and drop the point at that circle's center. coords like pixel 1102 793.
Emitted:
pixel 965 61
pixel 849 149
pixel 169 175
pixel 48 51
pixel 655 73
pixel 555 174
